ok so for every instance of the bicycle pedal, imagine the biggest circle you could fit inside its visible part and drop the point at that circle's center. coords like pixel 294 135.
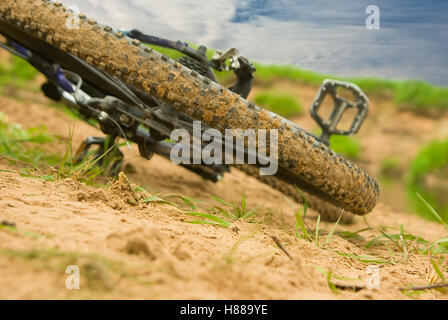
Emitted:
pixel 340 106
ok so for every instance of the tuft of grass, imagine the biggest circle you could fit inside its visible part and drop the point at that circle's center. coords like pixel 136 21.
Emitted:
pixel 268 73
pixel 234 211
pixel 300 227
pixel 284 104
pixel 25 148
pixel 431 160
pixel 230 212
pixel 88 168
pixel 421 98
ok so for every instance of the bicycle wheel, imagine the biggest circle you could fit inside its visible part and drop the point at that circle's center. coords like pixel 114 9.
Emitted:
pixel 303 160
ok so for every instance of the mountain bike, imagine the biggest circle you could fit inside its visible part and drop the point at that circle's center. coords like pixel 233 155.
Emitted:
pixel 135 93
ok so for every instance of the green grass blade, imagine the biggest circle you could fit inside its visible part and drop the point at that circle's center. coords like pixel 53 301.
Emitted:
pixel 328 275
pixel 211 217
pixel 300 224
pixel 437 270
pixel 305 202
pixel 224 212
pixel 328 238
pixel 249 214
pixel 432 210
pixel 365 258
pixel 155 198
pixel 186 200
pixel 316 238
pixel 207 222
pixel 243 203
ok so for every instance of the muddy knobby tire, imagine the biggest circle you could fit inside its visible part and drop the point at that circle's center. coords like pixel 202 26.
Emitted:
pixel 327 211
pixel 317 168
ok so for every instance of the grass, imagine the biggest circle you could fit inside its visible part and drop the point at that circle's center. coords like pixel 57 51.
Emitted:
pixel 431 160
pixel 268 73
pixel 230 212
pixel 348 146
pixel 300 224
pixel 391 167
pixel 16 73
pixel 26 233
pixel 234 211
pixel 407 242
pixel 25 147
pixel 283 104
pixel 87 169
pixel 301 231
pixel 221 216
pixel 329 275
pixel 208 219
pixel 316 233
pixel 402 241
pixel 421 97
pixel 413 95
pixel 437 269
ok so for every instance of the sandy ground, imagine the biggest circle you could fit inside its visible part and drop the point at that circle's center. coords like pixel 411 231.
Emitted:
pixel 129 249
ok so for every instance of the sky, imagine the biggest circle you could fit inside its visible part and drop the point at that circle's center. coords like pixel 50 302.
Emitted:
pixel 326 36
